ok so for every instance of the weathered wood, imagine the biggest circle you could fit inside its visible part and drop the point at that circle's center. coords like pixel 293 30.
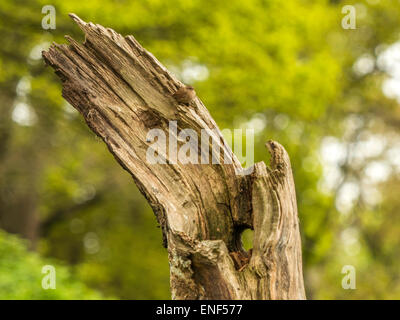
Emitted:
pixel 123 91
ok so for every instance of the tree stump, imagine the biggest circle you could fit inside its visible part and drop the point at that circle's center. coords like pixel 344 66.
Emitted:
pixel 123 91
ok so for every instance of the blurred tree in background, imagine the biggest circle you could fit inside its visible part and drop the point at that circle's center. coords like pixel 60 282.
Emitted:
pixel 21 275
pixel 285 68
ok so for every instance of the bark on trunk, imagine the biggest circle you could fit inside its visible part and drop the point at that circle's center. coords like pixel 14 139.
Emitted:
pixel 123 91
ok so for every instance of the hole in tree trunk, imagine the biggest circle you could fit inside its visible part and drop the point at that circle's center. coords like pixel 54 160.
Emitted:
pixel 242 253
pixel 247 239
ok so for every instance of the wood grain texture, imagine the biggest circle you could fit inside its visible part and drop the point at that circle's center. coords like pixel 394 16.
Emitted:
pixel 123 91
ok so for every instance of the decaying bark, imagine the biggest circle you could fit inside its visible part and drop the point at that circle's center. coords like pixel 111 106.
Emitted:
pixel 123 91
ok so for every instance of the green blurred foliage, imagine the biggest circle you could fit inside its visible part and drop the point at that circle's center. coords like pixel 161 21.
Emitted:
pixel 21 275
pixel 284 67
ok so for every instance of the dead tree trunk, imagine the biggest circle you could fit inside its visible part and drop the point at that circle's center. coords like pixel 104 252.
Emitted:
pixel 123 91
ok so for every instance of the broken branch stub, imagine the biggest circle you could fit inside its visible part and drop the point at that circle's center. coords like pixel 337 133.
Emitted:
pixel 123 91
